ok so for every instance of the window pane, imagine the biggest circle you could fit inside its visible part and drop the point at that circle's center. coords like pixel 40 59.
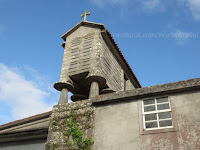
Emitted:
pixel 161 100
pixel 165 123
pixel 163 106
pixel 164 115
pixel 150 117
pixel 149 108
pixel 149 101
pixel 151 125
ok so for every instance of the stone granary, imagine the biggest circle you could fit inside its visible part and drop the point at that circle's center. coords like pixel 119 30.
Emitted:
pixel 110 109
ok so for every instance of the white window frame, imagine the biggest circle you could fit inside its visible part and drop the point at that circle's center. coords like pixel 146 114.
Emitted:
pixel 156 112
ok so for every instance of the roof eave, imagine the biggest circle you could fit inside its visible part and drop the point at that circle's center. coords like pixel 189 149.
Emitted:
pixel 25 120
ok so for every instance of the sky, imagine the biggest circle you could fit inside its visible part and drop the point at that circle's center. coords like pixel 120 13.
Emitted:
pixel 160 40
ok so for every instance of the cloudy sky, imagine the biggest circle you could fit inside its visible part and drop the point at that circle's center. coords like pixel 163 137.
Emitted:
pixel 160 39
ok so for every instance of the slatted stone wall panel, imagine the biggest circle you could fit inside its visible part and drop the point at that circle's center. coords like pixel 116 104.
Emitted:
pixel 65 64
pixel 111 68
pixel 80 54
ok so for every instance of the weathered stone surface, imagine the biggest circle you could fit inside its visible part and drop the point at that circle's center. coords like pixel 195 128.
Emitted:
pixel 92 55
pixel 63 96
pixel 94 89
pixel 59 136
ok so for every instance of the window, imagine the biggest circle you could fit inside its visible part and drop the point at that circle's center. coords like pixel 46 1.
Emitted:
pixel 157 113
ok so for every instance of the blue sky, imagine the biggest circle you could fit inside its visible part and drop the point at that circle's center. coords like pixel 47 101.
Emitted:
pixel 160 39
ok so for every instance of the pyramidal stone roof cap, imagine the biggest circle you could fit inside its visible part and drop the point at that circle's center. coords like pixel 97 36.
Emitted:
pixel 103 28
pixel 93 24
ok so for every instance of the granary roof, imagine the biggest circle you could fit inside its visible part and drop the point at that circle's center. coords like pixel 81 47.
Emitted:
pixel 104 30
pixel 88 23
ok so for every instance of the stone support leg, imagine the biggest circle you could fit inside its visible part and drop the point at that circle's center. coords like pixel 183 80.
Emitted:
pixel 63 96
pixel 94 89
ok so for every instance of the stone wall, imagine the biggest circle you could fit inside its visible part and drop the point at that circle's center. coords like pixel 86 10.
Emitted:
pixel 110 67
pixel 61 132
pixel 78 52
pixel 115 121
pixel 86 51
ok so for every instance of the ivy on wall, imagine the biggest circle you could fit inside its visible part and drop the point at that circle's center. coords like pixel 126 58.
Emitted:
pixel 77 136
pixel 70 129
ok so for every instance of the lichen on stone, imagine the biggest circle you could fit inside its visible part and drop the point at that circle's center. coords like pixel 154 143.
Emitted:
pixel 71 127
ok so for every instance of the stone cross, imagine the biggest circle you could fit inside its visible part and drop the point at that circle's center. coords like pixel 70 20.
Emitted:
pixel 85 15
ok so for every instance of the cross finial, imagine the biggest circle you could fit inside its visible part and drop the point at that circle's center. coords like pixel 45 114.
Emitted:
pixel 85 15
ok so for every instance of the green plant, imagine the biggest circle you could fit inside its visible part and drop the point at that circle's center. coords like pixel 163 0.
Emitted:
pixel 55 146
pixel 47 146
pixel 71 126
pixel 77 136
pixel 55 123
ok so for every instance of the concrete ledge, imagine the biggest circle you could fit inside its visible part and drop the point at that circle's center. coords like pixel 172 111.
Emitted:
pixel 168 88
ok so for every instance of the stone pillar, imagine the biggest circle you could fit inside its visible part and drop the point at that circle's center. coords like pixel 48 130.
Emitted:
pixel 64 86
pixel 96 82
pixel 63 96
pixel 94 89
